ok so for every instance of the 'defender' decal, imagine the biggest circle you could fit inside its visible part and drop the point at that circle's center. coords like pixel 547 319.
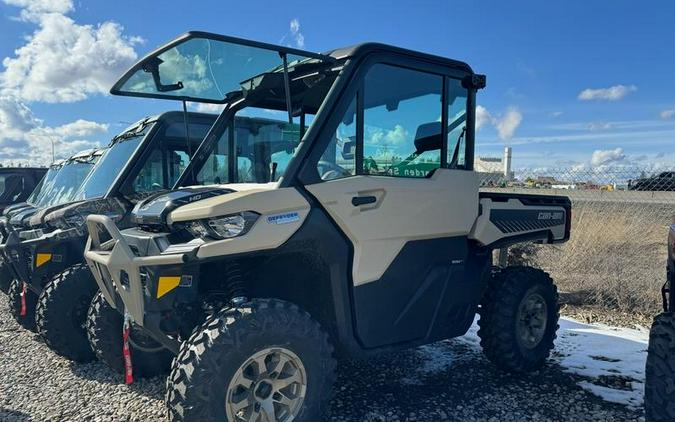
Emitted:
pixel 284 218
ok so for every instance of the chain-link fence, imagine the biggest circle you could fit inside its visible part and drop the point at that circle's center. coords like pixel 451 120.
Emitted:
pixel 617 253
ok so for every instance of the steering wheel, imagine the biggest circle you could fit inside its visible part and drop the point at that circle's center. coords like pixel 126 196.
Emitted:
pixel 330 171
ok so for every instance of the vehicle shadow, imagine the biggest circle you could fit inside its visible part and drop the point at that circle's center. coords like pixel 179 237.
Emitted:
pixel 8 415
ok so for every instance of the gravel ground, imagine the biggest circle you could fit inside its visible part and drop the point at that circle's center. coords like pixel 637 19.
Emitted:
pixel 446 381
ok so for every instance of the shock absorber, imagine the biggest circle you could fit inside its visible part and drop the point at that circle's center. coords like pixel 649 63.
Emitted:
pixel 236 289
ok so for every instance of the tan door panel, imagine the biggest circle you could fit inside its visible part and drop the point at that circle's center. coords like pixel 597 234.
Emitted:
pixel 403 209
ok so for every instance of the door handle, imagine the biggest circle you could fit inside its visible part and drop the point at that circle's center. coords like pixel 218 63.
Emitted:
pixel 363 200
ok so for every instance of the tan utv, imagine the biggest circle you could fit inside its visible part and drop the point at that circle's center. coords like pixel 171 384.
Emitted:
pixel 356 228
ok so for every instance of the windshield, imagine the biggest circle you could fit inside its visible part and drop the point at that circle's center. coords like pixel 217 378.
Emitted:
pixel 111 164
pixel 204 67
pixel 263 149
pixel 64 186
pixel 38 192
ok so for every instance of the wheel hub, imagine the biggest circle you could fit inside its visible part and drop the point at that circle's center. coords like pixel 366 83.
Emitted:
pixel 269 386
pixel 532 320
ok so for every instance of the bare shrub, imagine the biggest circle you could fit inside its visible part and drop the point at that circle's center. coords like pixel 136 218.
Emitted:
pixel 616 256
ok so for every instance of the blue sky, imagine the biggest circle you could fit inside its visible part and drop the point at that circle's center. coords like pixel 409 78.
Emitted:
pixel 570 83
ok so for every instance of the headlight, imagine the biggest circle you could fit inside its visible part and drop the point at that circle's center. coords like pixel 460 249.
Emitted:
pixel 224 227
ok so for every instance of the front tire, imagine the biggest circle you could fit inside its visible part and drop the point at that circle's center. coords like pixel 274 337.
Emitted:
pixel 266 356
pixel 27 321
pixel 660 371
pixel 104 330
pixel 519 318
pixel 61 313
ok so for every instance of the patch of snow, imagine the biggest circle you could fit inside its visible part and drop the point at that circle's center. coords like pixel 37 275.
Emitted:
pixel 610 360
pixel 597 351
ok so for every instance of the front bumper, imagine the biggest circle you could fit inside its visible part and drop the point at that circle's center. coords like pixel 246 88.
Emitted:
pixel 131 283
pixel 37 259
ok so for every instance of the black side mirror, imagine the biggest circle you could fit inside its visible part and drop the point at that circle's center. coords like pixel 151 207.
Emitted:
pixel 428 137
pixel 349 149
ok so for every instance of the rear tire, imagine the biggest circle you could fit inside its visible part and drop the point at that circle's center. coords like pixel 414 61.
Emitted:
pixel 5 278
pixel 61 312
pixel 519 318
pixel 15 290
pixel 660 371
pixel 104 330
pixel 267 339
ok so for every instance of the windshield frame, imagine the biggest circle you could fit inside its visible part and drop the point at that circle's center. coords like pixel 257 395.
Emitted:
pixel 78 159
pixel 282 50
pixel 148 125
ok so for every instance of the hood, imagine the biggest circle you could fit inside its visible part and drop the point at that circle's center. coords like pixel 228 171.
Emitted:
pixel 15 207
pixel 20 217
pixel 38 218
pixel 75 214
pixel 13 210
pixel 153 210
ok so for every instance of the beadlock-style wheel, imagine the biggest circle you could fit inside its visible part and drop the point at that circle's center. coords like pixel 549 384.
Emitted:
pixel 269 386
pixel 532 319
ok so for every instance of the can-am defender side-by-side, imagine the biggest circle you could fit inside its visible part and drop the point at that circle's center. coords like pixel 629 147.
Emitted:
pixel 144 159
pixel 31 202
pixel 17 183
pixel 60 183
pixel 660 371
pixel 366 233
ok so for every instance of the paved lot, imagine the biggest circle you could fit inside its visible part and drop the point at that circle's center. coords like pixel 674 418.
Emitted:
pixel 445 381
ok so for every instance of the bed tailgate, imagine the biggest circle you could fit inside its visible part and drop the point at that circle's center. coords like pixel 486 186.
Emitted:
pixel 509 218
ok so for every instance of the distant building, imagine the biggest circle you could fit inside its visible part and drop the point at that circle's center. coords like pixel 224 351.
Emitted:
pixel 494 171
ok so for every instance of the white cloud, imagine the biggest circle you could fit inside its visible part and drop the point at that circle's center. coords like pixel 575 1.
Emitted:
pixel 667 114
pixel 208 108
pixel 483 117
pixel 505 124
pixel 394 137
pixel 33 9
pixel 63 61
pixel 296 34
pixel 508 123
pixel 597 126
pixel 613 93
pixel 25 139
pixel 607 157
pixel 556 114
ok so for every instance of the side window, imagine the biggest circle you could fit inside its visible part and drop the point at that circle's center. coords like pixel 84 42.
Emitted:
pixel 150 178
pixel 339 159
pixel 402 122
pixel 457 96
pixel 162 168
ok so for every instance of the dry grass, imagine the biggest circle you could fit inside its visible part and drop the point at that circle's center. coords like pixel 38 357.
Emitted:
pixel 616 256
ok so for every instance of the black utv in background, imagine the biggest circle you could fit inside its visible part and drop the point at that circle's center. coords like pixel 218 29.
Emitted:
pixel 660 382
pixel 16 184
pixel 57 186
pixel 664 181
pixel 53 287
